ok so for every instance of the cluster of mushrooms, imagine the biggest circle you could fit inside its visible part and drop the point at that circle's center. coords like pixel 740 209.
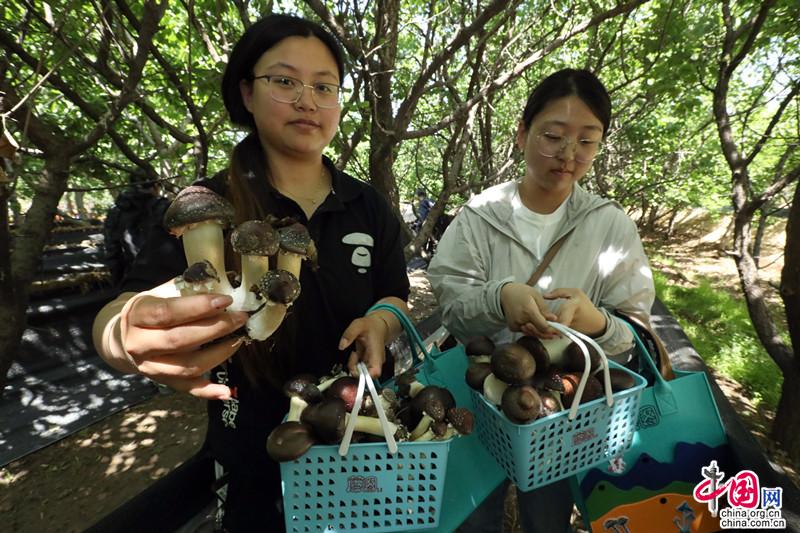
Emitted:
pixel 319 412
pixel 199 216
pixel 532 378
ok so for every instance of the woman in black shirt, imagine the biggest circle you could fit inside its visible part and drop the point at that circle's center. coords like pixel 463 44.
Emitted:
pixel 282 83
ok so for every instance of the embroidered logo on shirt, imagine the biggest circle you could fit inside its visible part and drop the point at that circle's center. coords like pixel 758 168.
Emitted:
pixel 361 258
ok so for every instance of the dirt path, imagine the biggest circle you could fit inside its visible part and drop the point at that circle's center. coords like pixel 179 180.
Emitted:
pixel 75 482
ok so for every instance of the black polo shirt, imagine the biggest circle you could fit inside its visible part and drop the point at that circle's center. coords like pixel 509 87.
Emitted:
pixel 360 248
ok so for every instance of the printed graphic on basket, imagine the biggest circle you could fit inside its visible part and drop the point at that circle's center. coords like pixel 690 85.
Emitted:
pixel 751 506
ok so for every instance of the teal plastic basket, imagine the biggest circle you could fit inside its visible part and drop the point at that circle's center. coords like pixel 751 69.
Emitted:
pixel 555 447
pixel 368 489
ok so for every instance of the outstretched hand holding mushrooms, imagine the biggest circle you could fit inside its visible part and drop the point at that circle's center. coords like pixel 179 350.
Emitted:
pixel 264 254
pixel 487 255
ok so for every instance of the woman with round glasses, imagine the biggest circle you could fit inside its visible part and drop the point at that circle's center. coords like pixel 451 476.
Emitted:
pixel 282 84
pixel 487 255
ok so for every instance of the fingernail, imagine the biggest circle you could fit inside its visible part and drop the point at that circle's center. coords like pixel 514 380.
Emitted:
pixel 221 302
pixel 241 318
pixel 342 343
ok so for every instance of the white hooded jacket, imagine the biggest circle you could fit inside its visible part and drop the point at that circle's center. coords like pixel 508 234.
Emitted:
pixel 481 251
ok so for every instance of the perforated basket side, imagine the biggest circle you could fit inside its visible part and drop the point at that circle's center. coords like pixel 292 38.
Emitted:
pixel 553 448
pixel 366 490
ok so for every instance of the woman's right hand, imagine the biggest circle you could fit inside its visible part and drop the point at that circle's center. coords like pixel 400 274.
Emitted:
pixel 526 310
pixel 171 340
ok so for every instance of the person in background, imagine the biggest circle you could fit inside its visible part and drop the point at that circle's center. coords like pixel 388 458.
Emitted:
pixel 424 205
pixel 136 211
pixel 485 258
pixel 283 84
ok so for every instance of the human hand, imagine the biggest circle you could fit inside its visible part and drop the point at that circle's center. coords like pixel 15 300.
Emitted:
pixel 578 312
pixel 526 310
pixel 168 340
pixel 369 333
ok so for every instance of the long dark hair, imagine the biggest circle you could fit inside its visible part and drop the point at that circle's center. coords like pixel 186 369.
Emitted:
pixel 567 82
pixel 269 362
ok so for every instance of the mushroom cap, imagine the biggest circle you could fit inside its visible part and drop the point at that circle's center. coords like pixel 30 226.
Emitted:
pixel 476 374
pixel 255 237
pixel 537 350
pixel 279 286
pixel 481 345
pixel 196 204
pixel 295 239
pixel 550 380
pixel 289 441
pixel 304 386
pixel 620 380
pixel 462 419
pixel 592 391
pixel 327 418
pixel 200 272
pixel 344 388
pixel 424 400
pixel 521 404
pixel 574 360
pixel 550 404
pixel 513 364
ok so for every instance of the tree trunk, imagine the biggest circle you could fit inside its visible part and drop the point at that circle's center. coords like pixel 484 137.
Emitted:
pixel 760 229
pixel 786 428
pixel 28 245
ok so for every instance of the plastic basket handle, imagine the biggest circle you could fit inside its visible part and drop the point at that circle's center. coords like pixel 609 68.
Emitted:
pixel 415 341
pixel 662 390
pixel 364 377
pixel 580 339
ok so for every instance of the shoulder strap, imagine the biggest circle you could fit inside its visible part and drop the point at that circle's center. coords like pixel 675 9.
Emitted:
pixel 548 257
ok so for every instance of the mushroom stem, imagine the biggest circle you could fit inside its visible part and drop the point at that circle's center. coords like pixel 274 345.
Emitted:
pixel 266 321
pixel 493 389
pixel 290 262
pixel 368 424
pixel 296 406
pixel 204 240
pixel 423 426
pixel 253 269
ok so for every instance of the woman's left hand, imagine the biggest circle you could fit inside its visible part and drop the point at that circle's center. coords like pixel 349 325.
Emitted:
pixel 578 312
pixel 369 333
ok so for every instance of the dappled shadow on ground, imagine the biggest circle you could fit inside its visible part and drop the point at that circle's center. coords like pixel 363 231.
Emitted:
pixel 76 481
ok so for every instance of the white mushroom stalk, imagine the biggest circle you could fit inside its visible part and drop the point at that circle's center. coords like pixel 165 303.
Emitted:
pixel 493 389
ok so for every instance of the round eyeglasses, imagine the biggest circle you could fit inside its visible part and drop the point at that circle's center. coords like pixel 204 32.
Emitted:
pixel 288 90
pixel 551 145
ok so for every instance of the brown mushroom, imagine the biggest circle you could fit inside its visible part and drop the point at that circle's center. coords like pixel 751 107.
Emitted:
pixel 289 440
pixel 254 241
pixel 592 390
pixel 513 364
pixel 346 389
pixel 198 278
pixel 521 404
pixel 537 350
pixel 280 289
pixel 301 391
pixel 574 360
pixel 295 246
pixel 621 380
pixel 329 418
pixel 476 375
pixel 199 215
pixel 481 345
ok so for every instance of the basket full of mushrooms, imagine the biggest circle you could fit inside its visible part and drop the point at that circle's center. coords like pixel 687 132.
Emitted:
pixel 356 457
pixel 546 410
